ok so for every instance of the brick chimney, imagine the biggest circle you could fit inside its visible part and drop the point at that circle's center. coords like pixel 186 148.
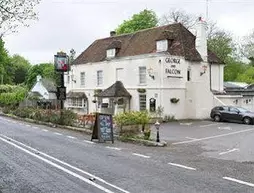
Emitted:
pixel 201 38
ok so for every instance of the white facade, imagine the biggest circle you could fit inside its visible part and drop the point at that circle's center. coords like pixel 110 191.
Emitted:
pixel 164 77
pixel 39 87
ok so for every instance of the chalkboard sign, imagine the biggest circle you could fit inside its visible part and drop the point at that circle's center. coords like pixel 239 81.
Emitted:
pixel 103 128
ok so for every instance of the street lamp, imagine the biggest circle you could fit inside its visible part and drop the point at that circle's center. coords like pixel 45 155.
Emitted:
pixel 157 126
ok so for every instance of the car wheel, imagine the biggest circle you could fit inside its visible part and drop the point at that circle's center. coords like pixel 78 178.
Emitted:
pixel 217 118
pixel 246 120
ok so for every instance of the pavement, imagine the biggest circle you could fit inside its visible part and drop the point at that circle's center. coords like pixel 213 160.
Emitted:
pixel 202 157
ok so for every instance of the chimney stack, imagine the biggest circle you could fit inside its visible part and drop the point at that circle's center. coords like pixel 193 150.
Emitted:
pixel 112 33
pixel 201 38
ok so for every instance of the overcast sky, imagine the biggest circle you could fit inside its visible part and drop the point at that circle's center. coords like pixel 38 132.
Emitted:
pixel 66 24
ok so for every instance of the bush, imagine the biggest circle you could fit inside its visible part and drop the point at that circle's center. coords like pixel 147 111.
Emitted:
pixel 132 118
pixel 52 116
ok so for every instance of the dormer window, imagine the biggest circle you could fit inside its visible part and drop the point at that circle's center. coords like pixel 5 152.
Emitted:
pixel 111 53
pixel 161 45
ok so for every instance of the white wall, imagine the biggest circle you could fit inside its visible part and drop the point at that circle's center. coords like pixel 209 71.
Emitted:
pixel 217 77
pixel 38 87
pixel 163 87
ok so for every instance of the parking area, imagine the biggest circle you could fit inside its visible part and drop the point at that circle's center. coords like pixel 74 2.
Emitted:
pixel 229 141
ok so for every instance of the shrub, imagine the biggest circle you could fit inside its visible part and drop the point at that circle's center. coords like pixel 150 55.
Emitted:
pixel 132 118
pixel 53 116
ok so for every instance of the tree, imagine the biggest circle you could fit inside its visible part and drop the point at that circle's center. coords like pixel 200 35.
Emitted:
pixel 20 68
pixel 5 68
pixel 179 16
pixel 247 47
pixel 15 13
pixel 143 20
pixel 222 44
pixel 46 70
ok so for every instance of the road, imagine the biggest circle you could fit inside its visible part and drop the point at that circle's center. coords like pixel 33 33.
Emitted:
pixel 43 159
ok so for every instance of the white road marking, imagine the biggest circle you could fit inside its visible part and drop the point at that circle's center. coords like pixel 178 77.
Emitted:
pixel 190 138
pixel 28 125
pixel 212 137
pixel 58 166
pixel 213 124
pixel 71 137
pixel 86 141
pixel 232 150
pixel 239 181
pixel 36 127
pixel 186 124
pixel 45 130
pixel 141 155
pixel 224 128
pixel 58 133
pixel 66 164
pixel 114 148
pixel 182 166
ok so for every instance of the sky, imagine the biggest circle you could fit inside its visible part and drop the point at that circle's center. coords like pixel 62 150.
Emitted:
pixel 67 24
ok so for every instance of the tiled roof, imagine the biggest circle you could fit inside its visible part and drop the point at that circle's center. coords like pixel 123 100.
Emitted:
pixel 72 94
pixel 181 43
pixel 49 85
pixel 115 90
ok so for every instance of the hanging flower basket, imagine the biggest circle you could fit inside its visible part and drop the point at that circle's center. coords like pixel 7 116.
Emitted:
pixel 141 90
pixel 174 100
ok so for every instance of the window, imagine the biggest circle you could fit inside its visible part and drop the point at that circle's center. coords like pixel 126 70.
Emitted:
pixel 82 78
pixel 142 102
pixel 99 78
pixel 162 45
pixel 111 53
pixel 119 74
pixel 188 75
pixel 142 75
pixel 68 79
pixel 75 102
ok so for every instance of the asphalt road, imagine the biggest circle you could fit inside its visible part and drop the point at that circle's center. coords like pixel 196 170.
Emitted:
pixel 41 159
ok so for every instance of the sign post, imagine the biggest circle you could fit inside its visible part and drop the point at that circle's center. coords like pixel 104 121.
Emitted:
pixel 103 128
pixel 61 63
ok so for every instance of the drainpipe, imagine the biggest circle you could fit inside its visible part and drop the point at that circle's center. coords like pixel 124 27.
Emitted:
pixel 210 69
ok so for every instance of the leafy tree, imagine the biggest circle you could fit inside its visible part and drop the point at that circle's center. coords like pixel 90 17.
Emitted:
pixel 5 68
pixel 20 68
pixel 222 44
pixel 46 70
pixel 143 20
pixel 15 13
pixel 246 76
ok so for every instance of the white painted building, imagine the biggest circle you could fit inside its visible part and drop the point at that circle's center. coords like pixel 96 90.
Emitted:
pixel 165 66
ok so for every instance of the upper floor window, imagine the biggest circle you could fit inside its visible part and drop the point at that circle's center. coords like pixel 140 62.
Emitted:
pixel 111 53
pixel 119 74
pixel 162 45
pixel 82 78
pixel 142 75
pixel 99 78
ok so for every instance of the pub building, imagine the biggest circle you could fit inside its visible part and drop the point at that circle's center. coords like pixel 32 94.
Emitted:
pixel 166 67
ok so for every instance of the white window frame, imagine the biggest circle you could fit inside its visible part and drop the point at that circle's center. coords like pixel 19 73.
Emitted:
pixel 117 74
pixel 82 79
pixel 99 76
pixel 111 53
pixel 142 75
pixel 75 102
pixel 161 45
pixel 142 102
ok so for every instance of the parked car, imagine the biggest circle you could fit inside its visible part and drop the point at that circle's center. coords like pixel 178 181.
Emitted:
pixel 232 114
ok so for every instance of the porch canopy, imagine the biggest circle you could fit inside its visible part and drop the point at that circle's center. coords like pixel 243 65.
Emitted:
pixel 72 94
pixel 114 91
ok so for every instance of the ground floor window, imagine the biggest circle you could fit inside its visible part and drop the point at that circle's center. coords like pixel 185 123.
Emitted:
pixel 142 102
pixel 75 102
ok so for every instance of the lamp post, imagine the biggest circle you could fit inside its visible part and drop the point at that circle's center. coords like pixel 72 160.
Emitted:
pixel 157 126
